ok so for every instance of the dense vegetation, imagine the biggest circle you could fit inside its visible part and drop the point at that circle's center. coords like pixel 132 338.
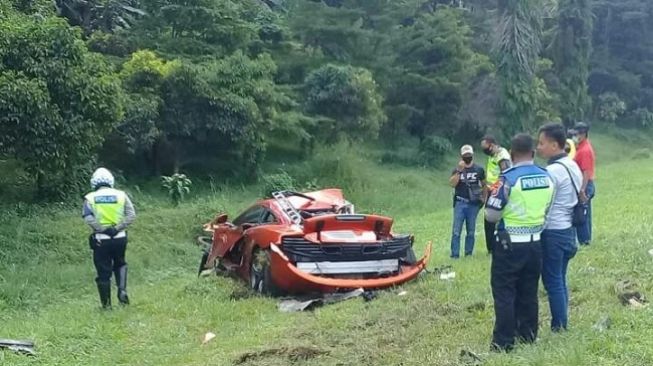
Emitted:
pixel 152 87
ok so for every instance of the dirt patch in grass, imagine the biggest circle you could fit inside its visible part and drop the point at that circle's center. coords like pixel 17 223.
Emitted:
pixel 293 354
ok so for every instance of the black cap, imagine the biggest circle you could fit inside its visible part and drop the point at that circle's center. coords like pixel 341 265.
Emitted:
pixel 582 127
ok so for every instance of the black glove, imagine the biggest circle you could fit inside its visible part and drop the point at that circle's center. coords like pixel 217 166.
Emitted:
pixel 111 231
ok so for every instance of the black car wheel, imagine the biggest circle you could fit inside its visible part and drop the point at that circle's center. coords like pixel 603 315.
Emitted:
pixel 260 278
pixel 205 257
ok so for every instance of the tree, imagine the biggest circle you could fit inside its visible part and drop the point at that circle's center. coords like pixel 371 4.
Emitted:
pixel 225 106
pixel 57 100
pixel 517 52
pixel 142 77
pixel 196 28
pixel 433 66
pixel 622 53
pixel 337 31
pixel 103 15
pixel 348 96
pixel 573 47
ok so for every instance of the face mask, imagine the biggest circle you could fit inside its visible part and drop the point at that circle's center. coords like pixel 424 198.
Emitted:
pixel 487 151
pixel 467 159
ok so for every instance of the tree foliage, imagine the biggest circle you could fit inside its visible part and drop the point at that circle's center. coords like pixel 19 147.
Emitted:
pixel 622 53
pixel 208 86
pixel 57 100
pixel 518 46
pixel 99 15
pixel 573 45
pixel 349 97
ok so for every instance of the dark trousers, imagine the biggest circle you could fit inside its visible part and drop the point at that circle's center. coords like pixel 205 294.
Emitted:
pixel 584 232
pixel 515 277
pixel 490 237
pixel 108 256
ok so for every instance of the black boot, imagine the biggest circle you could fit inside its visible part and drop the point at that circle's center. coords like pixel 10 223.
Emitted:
pixel 104 289
pixel 121 283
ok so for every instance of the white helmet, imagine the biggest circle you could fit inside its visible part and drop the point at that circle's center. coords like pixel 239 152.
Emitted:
pixel 102 177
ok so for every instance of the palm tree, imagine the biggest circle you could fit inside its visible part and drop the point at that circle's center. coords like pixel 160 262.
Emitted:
pixel 517 51
pixel 572 48
pixel 104 15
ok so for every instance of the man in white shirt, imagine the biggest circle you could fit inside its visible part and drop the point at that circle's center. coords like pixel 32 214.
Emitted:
pixel 558 237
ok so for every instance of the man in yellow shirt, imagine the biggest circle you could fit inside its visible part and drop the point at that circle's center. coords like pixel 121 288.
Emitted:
pixel 498 161
pixel 570 145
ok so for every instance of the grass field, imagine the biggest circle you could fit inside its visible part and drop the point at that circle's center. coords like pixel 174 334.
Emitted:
pixel 47 291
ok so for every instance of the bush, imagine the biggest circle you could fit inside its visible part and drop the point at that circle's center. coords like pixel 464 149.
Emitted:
pixel 349 98
pixel 642 154
pixel 177 186
pixel 280 181
pixel 611 107
pixel 432 149
pixel 642 117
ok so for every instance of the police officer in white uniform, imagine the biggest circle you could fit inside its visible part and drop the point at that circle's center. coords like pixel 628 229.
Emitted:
pixel 108 212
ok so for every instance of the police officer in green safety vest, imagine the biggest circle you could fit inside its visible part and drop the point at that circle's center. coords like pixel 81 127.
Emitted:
pixel 108 212
pixel 498 161
pixel 518 204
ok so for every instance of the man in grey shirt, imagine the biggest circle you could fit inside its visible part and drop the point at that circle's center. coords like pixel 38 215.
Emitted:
pixel 558 237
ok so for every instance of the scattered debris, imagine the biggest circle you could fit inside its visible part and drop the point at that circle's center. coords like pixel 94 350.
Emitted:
pixel 240 293
pixel 588 269
pixel 292 305
pixel 206 273
pixel 628 294
pixel 447 275
pixel 443 269
pixel 445 272
pixel 208 337
pixel 470 358
pixel 603 324
pixel 369 295
pixel 402 293
pixel 476 307
pixel 292 354
pixel 650 252
pixel 303 303
pixel 342 296
pixel 624 286
pixel 24 347
pixel 637 302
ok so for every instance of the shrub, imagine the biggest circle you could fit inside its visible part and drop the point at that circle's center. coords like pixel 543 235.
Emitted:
pixel 432 149
pixel 280 181
pixel 177 186
pixel 611 107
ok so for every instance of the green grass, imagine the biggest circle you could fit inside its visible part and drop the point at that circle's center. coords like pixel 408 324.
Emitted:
pixel 47 291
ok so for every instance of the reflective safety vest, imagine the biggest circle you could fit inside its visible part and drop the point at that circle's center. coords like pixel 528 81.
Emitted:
pixel 531 192
pixel 572 148
pixel 108 205
pixel 493 168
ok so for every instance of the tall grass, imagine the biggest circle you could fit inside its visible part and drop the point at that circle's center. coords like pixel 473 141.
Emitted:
pixel 47 291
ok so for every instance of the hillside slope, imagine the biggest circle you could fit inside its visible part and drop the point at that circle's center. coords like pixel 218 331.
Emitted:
pixel 47 291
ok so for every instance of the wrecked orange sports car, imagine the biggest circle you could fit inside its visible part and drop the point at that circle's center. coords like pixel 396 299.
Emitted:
pixel 310 242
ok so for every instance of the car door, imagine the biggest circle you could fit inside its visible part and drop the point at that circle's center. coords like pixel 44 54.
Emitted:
pixel 227 235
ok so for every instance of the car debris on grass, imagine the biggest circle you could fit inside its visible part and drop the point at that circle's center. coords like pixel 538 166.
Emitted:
pixel 18 346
